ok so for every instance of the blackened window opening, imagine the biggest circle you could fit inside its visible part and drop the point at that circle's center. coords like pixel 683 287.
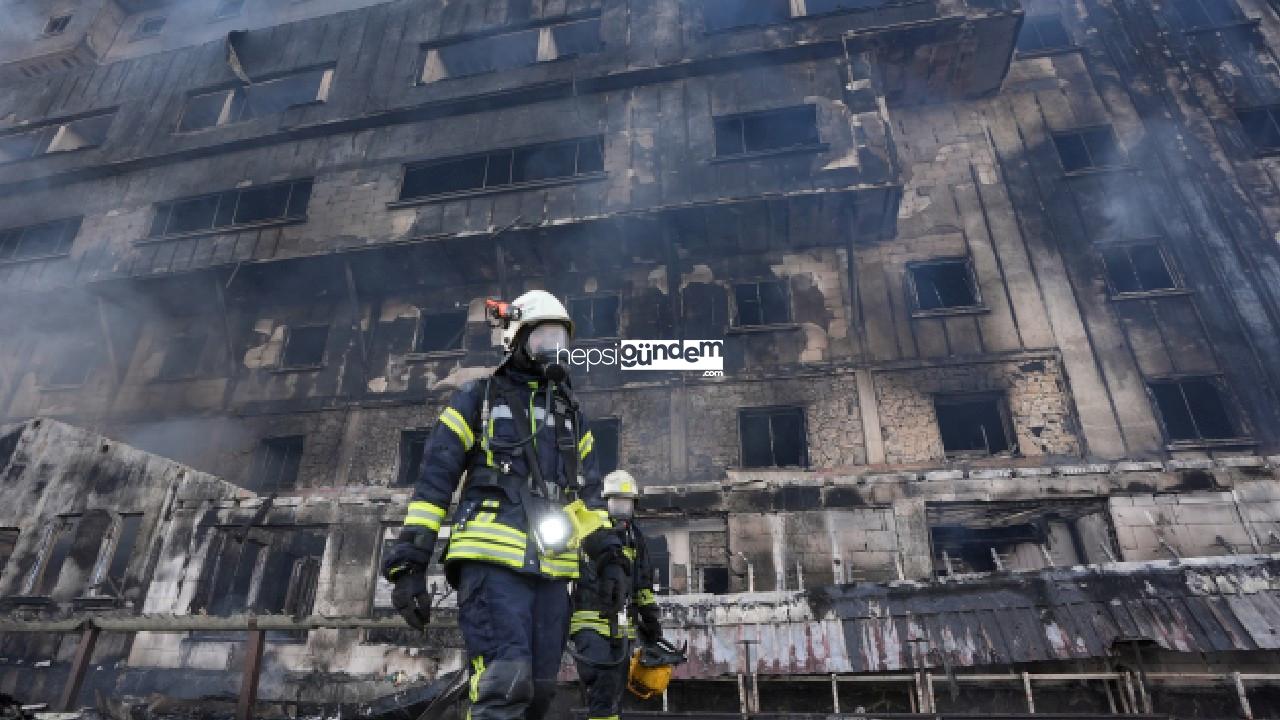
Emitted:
pixel 728 14
pixel 1042 32
pixel 57 24
pixel 77 134
pixel 944 285
pixel 715 580
pixel 973 425
pixel 276 463
pixel 606 432
pixel 1088 149
pixel 261 99
pixel 121 554
pixel 249 206
pixel 504 168
pixel 8 541
pixel 150 27
pixel 595 317
pixel 413 447
pixel 304 346
pixel 228 9
pixel 762 303
pixel 441 332
pixel 270 570
pixel 60 542
pixel 511 50
pixel 767 131
pixel 1193 409
pixel 46 240
pixel 1206 13
pixel 1261 126
pixel 1139 268
pixel 182 357
pixel 820 7
pixel 773 437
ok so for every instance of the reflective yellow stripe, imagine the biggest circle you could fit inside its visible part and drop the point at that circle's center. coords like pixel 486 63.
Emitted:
pixel 611 717
pixel 587 442
pixel 424 514
pixel 645 597
pixel 487 552
pixel 495 530
pixel 455 422
pixel 477 667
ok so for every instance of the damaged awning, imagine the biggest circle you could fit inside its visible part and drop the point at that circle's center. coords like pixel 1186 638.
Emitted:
pixel 1215 605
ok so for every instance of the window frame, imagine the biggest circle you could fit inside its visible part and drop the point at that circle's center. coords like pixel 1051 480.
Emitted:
pixel 166 206
pixel 770 411
pixel 229 92
pixel 1212 24
pixel 62 22
pixel 545 27
pixel 1230 408
pixel 54 130
pixel 141 32
pixel 592 298
pixel 1273 115
pixel 616 422
pixel 283 367
pixel 740 118
pixel 1031 22
pixel 1122 155
pixel 197 369
pixel 735 316
pixel 261 451
pixel 509 186
pixel 68 234
pixel 402 465
pixel 971 274
pixel 708 30
pixel 1102 247
pixel 423 314
pixel 1001 400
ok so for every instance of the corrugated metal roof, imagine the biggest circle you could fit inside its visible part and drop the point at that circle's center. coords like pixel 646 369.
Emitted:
pixel 1203 605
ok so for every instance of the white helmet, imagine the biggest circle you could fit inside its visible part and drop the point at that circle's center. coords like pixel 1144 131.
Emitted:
pixel 531 308
pixel 620 484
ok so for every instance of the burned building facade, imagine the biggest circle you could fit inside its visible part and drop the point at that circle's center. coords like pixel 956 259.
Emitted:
pixel 997 282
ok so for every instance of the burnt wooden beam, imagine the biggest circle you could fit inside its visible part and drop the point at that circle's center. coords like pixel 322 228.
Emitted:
pixel 79 665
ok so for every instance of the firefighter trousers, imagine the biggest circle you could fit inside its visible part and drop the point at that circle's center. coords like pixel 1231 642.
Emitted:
pixel 514 627
pixel 604 684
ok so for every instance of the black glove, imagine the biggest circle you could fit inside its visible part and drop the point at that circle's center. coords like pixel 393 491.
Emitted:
pixel 602 546
pixel 411 598
pixel 411 553
pixel 648 624
pixel 615 586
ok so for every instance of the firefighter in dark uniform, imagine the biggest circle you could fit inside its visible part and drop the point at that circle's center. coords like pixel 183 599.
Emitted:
pixel 531 503
pixel 601 633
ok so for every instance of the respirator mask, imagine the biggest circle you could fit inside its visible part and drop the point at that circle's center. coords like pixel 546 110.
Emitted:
pixel 543 346
pixel 621 508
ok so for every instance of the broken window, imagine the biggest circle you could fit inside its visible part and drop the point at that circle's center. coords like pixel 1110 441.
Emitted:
pixel 413 447
pixel 34 242
pixel 276 464
pixel 113 561
pixel 228 9
pixel 8 541
pixel 511 50
pixel 943 285
pixel 267 570
pixel 76 134
pixel 728 14
pixel 304 346
pixel 1012 536
pixel 261 99
pixel 767 131
pixel 1193 409
pixel 501 168
pixel 715 580
pixel 772 437
pixel 57 25
pixel 150 27
pixel 1042 32
pixel 249 206
pixel 819 7
pixel 1205 13
pixel 1137 268
pixel 1262 127
pixel 1088 149
pixel 605 433
pixel 594 317
pixel 182 357
pixel 973 425
pixel 441 332
pixel 762 303
pixel 54 549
